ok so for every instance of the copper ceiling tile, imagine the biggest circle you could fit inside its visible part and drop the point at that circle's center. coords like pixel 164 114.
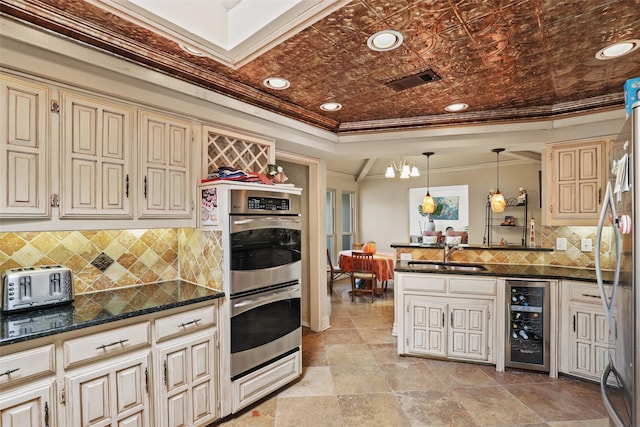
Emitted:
pixel 506 58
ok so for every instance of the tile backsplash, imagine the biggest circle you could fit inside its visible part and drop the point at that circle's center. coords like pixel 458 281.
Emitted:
pixel 126 257
pixel 105 259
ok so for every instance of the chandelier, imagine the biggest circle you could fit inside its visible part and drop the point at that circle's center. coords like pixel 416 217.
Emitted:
pixel 405 168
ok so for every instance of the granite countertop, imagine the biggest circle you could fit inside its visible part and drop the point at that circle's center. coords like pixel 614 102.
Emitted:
pixel 515 271
pixel 101 307
pixel 473 246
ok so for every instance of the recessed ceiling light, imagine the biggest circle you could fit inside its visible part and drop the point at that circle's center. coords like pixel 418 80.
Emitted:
pixel 330 106
pixel 277 83
pixel 190 50
pixel 618 49
pixel 384 40
pixel 456 107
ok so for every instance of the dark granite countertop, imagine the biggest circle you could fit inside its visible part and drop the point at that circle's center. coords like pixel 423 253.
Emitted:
pixel 515 271
pixel 101 307
pixel 473 246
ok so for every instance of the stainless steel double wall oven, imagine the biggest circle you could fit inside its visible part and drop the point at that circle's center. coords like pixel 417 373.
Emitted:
pixel 266 266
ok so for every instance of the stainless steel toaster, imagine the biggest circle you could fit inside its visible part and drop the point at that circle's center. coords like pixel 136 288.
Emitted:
pixel 36 287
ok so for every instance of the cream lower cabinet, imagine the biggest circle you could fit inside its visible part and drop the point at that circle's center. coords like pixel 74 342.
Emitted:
pixel 446 316
pixel 156 370
pixel 27 388
pixel 30 406
pixel 186 387
pixel 112 393
pixel 587 341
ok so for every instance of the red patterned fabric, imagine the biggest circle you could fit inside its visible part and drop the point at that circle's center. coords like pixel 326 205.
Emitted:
pixel 383 265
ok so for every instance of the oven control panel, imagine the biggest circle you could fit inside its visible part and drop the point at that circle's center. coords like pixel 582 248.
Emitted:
pixel 268 203
pixel 255 201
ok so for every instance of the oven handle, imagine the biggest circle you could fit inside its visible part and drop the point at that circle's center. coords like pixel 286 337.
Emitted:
pixel 266 219
pixel 247 303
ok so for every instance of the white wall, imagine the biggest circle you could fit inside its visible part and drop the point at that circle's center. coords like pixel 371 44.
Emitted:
pixel 384 203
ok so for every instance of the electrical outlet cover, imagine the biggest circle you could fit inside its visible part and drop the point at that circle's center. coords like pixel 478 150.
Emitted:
pixel 561 244
pixel 585 245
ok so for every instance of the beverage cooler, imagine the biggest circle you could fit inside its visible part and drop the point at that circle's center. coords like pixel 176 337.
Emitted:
pixel 527 344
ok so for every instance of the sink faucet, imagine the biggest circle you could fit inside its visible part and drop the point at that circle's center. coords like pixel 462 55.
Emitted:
pixel 449 250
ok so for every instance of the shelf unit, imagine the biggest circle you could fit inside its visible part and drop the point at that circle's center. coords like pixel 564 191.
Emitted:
pixel 495 223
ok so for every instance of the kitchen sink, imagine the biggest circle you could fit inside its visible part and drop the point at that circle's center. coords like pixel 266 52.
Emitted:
pixel 436 266
pixel 428 265
pixel 465 268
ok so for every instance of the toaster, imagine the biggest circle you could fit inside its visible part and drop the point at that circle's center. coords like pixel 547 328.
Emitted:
pixel 36 287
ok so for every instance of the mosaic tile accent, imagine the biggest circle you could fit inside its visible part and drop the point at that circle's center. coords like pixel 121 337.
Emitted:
pixel 102 262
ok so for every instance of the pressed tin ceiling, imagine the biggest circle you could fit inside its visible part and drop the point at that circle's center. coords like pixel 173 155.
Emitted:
pixel 509 60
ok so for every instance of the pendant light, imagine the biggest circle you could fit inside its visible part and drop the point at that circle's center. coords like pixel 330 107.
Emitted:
pixel 428 204
pixel 497 200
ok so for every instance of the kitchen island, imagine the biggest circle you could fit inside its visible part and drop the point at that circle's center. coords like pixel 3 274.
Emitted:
pixel 457 307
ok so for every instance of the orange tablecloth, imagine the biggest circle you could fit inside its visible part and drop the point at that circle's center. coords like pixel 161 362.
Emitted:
pixel 382 265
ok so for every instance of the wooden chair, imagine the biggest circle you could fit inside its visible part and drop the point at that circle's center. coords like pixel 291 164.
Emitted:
pixel 335 273
pixel 357 246
pixel 437 234
pixel 451 235
pixel 362 269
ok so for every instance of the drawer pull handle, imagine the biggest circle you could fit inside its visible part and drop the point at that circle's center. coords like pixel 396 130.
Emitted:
pixel 104 346
pixel 9 371
pixel 591 296
pixel 194 321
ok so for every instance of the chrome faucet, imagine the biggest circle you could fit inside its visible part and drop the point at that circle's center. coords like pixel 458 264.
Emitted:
pixel 449 250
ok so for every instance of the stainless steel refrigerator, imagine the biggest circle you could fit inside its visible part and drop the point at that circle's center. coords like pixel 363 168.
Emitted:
pixel 617 225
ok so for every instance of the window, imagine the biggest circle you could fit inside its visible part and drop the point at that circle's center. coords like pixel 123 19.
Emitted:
pixel 340 216
pixel 348 209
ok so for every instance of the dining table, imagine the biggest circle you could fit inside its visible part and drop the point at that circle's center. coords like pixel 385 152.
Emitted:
pixel 383 264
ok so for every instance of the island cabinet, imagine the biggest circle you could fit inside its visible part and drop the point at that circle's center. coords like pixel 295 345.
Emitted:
pixel 159 369
pixel 587 341
pixel 446 316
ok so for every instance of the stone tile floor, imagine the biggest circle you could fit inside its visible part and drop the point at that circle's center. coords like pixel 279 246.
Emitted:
pixel 352 376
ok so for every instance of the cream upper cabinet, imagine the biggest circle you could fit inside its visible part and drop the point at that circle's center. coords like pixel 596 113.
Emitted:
pixel 165 149
pixel 575 182
pixel 24 149
pixel 96 141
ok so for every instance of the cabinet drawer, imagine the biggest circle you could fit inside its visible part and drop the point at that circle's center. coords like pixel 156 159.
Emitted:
pixel 187 321
pixel 105 344
pixel 472 286
pixel 589 293
pixel 24 365
pixel 424 283
pixel 258 384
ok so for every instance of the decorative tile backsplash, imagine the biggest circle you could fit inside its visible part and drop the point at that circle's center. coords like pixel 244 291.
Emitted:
pixel 572 257
pixel 147 256
pixel 139 256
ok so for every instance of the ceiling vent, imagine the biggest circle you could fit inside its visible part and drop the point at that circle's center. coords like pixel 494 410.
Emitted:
pixel 412 81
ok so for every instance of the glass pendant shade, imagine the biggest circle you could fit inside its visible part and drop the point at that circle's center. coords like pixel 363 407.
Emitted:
pixel 428 204
pixel 497 202
pixel 405 172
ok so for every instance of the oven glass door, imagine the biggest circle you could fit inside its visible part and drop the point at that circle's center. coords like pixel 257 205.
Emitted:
pixel 264 325
pixel 259 242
